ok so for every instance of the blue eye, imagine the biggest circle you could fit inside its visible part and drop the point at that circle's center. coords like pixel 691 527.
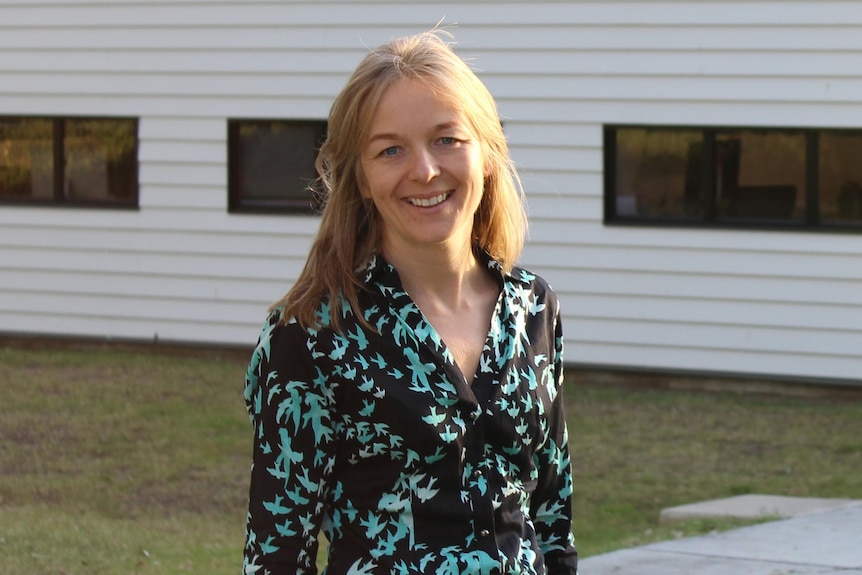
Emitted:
pixel 391 151
pixel 447 140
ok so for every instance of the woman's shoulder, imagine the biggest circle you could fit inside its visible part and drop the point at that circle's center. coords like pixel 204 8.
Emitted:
pixel 280 329
pixel 282 341
pixel 272 334
pixel 284 335
pixel 532 282
pixel 516 277
pixel 286 353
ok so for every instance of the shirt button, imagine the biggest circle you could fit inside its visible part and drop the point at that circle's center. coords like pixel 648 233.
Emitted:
pixel 484 533
pixel 477 474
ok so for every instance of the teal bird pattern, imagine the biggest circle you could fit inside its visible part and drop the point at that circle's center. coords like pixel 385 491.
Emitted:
pixel 375 438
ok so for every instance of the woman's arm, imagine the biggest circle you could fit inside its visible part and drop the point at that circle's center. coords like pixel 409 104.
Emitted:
pixel 551 503
pixel 293 453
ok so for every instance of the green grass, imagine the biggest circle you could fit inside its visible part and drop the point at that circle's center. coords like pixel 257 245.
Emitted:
pixel 637 451
pixel 118 460
pixel 121 462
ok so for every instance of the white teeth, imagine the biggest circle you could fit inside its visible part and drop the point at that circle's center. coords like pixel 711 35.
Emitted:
pixel 428 202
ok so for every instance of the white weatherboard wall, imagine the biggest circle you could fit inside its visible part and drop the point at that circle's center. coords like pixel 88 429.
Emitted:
pixel 182 268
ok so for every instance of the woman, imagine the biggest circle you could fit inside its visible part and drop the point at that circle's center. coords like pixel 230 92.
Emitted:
pixel 405 393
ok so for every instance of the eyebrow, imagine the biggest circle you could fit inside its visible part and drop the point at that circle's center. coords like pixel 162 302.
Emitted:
pixel 391 136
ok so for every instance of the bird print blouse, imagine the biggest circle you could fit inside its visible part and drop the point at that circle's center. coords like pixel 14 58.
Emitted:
pixel 375 437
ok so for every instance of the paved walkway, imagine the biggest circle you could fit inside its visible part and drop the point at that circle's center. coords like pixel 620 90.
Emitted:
pixel 824 542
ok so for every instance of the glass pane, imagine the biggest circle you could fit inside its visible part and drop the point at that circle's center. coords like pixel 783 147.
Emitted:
pixel 276 161
pixel 658 173
pixel 26 159
pixel 760 174
pixel 841 177
pixel 101 161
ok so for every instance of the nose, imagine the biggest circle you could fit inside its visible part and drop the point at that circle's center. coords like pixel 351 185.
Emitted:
pixel 424 167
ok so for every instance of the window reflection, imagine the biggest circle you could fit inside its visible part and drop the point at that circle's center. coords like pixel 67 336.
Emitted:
pixel 760 174
pixel 654 173
pixel 840 176
pixel 100 160
pixel 26 159
pixel 272 163
pixel 73 161
pixel 752 177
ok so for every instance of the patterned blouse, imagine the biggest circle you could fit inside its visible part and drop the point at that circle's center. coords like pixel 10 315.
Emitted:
pixel 378 440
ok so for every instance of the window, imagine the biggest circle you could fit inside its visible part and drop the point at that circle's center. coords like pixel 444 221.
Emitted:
pixel 839 176
pixel 271 164
pixel 69 161
pixel 743 177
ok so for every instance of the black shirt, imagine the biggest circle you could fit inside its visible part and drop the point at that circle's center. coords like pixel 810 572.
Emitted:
pixel 378 440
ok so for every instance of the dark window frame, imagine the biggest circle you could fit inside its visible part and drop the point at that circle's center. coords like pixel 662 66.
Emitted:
pixel 59 199
pixel 811 221
pixel 237 203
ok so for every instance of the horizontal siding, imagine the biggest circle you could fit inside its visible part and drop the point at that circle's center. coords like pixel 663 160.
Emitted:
pixel 783 248
pixel 196 197
pixel 361 15
pixel 143 241
pixel 648 63
pixel 720 288
pixel 108 262
pixel 613 350
pixel 182 268
pixel 733 311
pixel 155 221
pixel 286 35
pixel 151 286
pixel 752 339
pixel 766 114
pixel 589 88
pixel 114 326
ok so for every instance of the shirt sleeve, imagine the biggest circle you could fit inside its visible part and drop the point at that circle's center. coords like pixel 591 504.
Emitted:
pixel 290 407
pixel 551 504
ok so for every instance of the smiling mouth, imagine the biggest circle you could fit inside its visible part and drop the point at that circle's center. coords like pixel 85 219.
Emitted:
pixel 429 202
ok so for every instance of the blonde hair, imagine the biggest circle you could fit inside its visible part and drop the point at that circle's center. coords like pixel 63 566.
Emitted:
pixel 350 228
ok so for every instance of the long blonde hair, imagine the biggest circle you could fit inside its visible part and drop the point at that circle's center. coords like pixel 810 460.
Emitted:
pixel 350 229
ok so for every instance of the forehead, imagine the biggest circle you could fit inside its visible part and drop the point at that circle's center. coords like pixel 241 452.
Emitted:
pixel 411 102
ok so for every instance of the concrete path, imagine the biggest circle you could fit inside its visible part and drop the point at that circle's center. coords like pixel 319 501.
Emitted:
pixel 826 542
pixel 752 507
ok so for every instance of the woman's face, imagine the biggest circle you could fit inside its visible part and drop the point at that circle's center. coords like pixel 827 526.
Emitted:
pixel 423 168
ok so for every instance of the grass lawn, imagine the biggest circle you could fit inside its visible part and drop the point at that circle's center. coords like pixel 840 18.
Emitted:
pixel 119 460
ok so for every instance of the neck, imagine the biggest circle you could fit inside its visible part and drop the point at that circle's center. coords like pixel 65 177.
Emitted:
pixel 442 277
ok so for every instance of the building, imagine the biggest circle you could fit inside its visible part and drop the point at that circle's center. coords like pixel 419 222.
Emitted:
pixel 693 168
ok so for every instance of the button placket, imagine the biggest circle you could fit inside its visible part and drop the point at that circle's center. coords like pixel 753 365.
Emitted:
pixel 478 489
